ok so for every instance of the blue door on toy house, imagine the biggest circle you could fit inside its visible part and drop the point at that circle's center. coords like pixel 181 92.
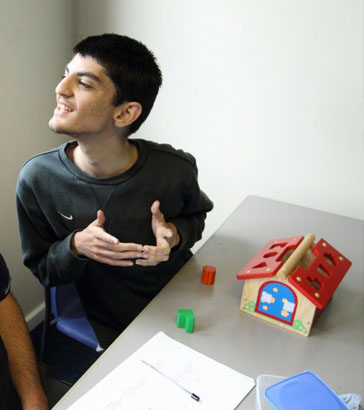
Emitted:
pixel 277 301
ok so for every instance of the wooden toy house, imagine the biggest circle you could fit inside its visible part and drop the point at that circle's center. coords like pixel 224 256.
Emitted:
pixel 291 280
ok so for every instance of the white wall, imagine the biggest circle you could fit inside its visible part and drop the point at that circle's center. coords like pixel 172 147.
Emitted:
pixel 35 43
pixel 266 94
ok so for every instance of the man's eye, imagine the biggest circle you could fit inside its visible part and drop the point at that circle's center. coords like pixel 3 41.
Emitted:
pixel 84 84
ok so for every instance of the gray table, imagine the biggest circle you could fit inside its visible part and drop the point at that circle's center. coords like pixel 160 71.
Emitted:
pixel 335 347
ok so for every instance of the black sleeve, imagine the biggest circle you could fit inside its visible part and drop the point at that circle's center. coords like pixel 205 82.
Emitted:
pixel 49 258
pixel 191 220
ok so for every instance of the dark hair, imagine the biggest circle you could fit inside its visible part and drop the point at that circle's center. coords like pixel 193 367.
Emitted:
pixel 130 65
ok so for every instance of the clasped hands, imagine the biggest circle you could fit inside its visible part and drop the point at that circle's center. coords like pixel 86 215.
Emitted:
pixel 95 243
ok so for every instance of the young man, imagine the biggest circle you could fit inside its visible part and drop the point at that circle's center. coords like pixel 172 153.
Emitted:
pixel 20 385
pixel 90 211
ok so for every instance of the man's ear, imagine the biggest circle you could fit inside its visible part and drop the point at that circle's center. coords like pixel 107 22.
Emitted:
pixel 127 113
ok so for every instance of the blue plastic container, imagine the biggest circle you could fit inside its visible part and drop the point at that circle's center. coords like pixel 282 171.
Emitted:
pixel 304 391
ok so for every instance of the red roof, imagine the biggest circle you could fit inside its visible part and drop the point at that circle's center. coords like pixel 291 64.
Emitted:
pixel 268 261
pixel 317 282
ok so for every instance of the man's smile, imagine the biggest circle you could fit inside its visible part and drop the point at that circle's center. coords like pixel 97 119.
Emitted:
pixel 63 108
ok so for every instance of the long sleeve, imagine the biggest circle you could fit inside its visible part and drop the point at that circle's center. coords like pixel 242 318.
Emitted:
pixel 173 176
pixel 190 223
pixel 49 258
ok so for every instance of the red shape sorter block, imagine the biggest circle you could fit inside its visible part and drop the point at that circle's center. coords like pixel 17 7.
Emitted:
pixel 268 260
pixel 208 275
pixel 323 275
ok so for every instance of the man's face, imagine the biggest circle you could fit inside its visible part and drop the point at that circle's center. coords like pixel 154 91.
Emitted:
pixel 84 99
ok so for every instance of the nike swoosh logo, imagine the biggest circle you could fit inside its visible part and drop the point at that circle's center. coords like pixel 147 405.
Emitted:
pixel 65 216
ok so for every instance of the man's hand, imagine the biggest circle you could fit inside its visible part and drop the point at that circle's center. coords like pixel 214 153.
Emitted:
pixel 95 243
pixel 166 236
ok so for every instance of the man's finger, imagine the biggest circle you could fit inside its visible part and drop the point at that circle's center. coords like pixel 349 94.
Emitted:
pixel 155 207
pixel 125 247
pixel 109 254
pixel 149 251
pixel 156 212
pixel 106 237
pixel 114 262
pixel 152 262
pixel 146 262
pixel 164 232
pixel 100 219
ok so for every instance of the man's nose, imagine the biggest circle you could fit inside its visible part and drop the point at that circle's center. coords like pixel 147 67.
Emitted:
pixel 64 87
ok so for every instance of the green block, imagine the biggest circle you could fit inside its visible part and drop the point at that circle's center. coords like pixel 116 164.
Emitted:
pixel 186 319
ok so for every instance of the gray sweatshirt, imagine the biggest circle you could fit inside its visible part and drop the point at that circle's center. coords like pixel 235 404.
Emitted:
pixel 55 199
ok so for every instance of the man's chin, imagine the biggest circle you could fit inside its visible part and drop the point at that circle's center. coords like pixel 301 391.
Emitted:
pixel 56 127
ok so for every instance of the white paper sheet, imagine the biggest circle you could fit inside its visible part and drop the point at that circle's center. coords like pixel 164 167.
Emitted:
pixel 135 386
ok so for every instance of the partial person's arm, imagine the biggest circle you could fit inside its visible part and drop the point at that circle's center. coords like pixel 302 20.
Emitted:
pixel 54 261
pixel 190 222
pixel 180 232
pixel 22 361
pixel 49 258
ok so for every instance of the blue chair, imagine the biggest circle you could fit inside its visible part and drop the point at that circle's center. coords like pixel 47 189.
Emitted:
pixel 70 318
